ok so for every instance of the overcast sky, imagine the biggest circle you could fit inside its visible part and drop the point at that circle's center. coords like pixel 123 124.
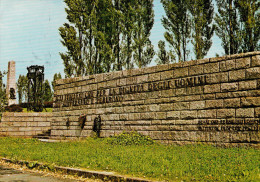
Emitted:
pixel 29 34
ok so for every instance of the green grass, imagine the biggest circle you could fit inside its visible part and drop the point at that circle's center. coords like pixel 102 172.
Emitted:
pixel 155 161
pixel 44 110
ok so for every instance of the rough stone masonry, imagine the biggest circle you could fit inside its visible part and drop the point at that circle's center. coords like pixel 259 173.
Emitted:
pixel 215 100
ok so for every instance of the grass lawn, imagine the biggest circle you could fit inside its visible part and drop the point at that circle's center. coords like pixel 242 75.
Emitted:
pixel 44 110
pixel 173 163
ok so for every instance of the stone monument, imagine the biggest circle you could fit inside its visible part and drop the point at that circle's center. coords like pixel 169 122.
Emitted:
pixel 11 84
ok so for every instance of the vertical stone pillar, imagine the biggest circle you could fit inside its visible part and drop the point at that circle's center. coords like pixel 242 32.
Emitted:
pixel 11 84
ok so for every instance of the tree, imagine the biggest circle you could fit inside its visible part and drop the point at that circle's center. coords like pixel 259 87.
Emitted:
pixel 144 20
pixel 77 37
pixel 250 17
pixel 164 57
pixel 56 76
pixel 177 24
pixel 202 28
pixel 3 99
pixel 22 87
pixel 47 93
pixel 228 26
pixel 128 20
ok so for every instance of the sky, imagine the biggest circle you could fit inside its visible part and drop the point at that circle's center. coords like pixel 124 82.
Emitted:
pixel 29 34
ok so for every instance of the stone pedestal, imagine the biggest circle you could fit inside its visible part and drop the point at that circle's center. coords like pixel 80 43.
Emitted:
pixel 11 84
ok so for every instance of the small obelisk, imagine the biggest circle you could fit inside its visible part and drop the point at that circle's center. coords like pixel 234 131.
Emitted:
pixel 11 84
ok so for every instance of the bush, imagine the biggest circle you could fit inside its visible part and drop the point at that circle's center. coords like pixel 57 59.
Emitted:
pixel 132 138
pixel 14 108
pixel 48 104
pixel 24 105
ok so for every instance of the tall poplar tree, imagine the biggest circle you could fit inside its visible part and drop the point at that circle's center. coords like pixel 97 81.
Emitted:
pixel 144 20
pixel 128 8
pixel 164 57
pixel 177 24
pixel 228 26
pixel 249 12
pixel 22 88
pixel 47 93
pixel 202 28
pixel 56 76
pixel 3 100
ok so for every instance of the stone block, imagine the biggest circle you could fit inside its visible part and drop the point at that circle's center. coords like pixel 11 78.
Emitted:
pixel 250 101
pixel 253 73
pixel 214 103
pixel 232 103
pixel 243 63
pixel 196 70
pixel 147 116
pixel 134 116
pixel 237 75
pixel 154 77
pixel 208 96
pixel 188 114
pixel 257 112
pixel 227 87
pixel 181 106
pixel 111 83
pixel 180 72
pixel 173 115
pixel 247 85
pixel 180 91
pixel 40 119
pixel 153 107
pixel 225 113
pixel 167 107
pixel 142 79
pixel 123 117
pixel 166 75
pixel 255 61
pixel 211 67
pixel 194 90
pixel 212 88
pixel 227 65
pixel 44 124
pixel 141 108
pixel 160 115
pixel 217 78
pixel 245 112
pixel 207 114
pixel 197 105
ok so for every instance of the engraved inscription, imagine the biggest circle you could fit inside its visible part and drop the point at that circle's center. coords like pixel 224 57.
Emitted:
pixel 110 95
pixel 229 125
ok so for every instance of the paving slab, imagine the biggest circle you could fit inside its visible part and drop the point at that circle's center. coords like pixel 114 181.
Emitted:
pixel 12 175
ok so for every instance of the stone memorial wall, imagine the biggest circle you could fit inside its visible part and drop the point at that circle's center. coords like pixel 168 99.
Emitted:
pixel 19 124
pixel 214 100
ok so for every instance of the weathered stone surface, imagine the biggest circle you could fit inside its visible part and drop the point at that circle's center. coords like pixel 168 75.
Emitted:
pixel 206 100
pixel 252 73
pixel 214 103
pixel 212 88
pixel 211 68
pixel 255 61
pixel 250 101
pixel 234 102
pixel 243 63
pixel 227 87
pixel 225 113
pixel 245 113
pixel 247 85
pixel 237 75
